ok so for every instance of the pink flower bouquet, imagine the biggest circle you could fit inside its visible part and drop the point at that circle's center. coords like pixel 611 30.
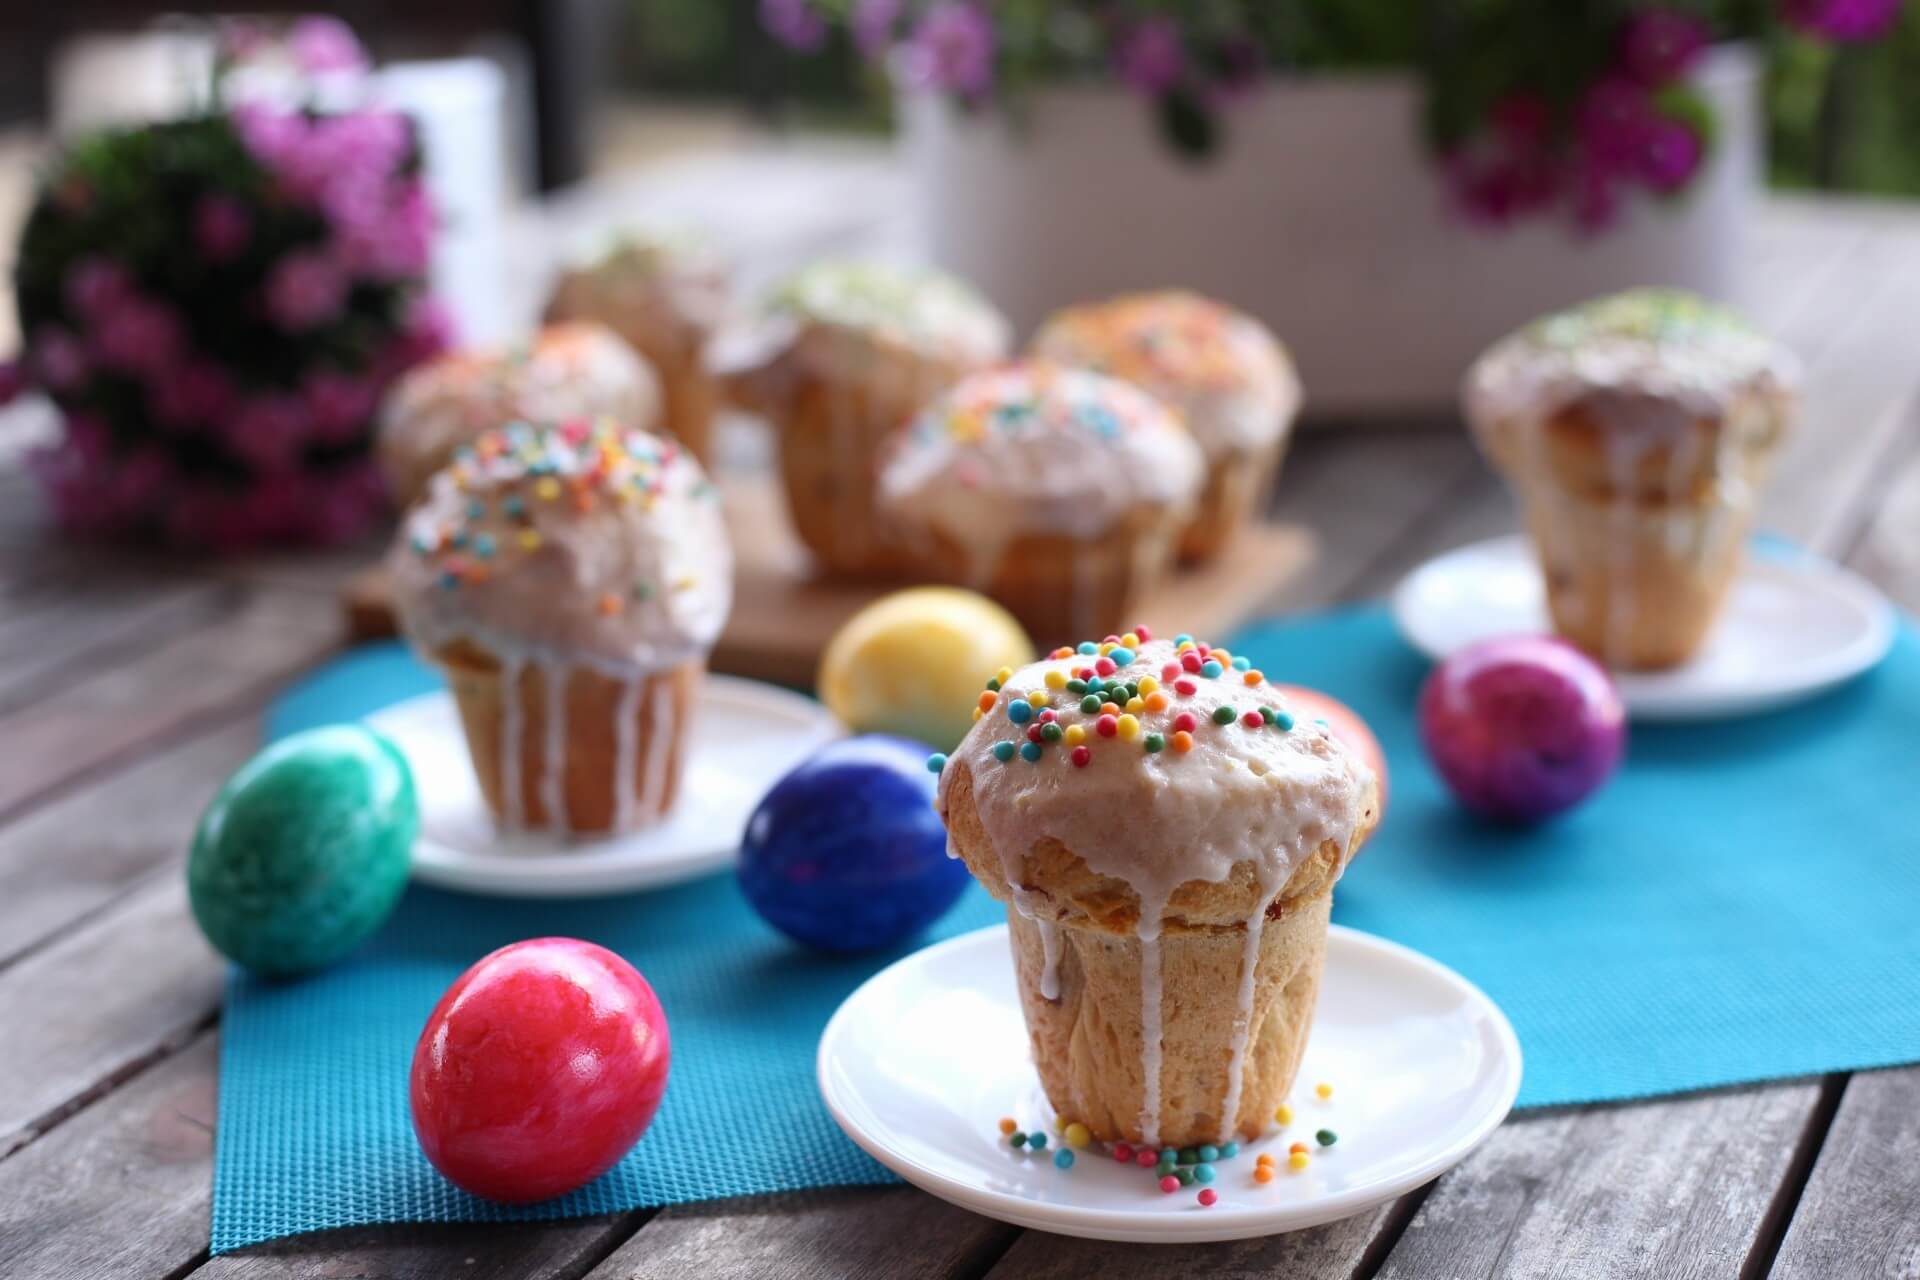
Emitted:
pixel 216 305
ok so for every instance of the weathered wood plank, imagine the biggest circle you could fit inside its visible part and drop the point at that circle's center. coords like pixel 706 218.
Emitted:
pixel 78 852
pixel 238 655
pixel 1335 1251
pixel 125 1192
pixel 891 1233
pixel 1859 1215
pixel 476 1251
pixel 1672 1188
pixel 74 631
pixel 130 985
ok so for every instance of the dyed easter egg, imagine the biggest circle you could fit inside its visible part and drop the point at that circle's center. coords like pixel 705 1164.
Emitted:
pixel 1345 724
pixel 540 1067
pixel 912 663
pixel 1522 727
pixel 304 851
pixel 846 853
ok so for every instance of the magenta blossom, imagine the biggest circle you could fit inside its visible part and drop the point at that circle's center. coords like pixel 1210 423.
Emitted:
pixel 1612 120
pixel 1150 57
pixel 221 228
pixel 875 24
pixel 269 133
pixel 268 432
pixel 1843 21
pixel 1670 155
pixel 13 381
pixel 794 23
pixel 59 360
pixel 320 44
pixel 1660 45
pixel 343 504
pixel 305 290
pixel 95 285
pixel 952 50
pixel 138 336
pixel 339 405
pixel 191 395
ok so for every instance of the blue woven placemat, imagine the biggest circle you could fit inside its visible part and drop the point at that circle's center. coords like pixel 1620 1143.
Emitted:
pixel 1737 905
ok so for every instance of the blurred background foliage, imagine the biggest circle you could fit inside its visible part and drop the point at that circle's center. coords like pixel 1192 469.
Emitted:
pixel 1842 118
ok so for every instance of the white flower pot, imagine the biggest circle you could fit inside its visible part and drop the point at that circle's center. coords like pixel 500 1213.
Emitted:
pixel 1323 213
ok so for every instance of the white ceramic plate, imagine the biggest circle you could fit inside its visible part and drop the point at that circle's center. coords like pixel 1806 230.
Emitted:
pixel 921 1062
pixel 1794 625
pixel 746 737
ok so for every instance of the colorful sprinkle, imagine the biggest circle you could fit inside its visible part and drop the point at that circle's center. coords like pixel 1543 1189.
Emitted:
pixel 1019 712
pixel 1143 633
pixel 1209 1197
pixel 1055 679
pixel 1076 734
pixel 1078 1135
pixel 1182 742
pixel 1169 1184
pixel 1145 1158
pixel 1088 648
pixel 935 763
pixel 1107 725
pixel 1190 662
pixel 1030 751
pixel 1007 1126
pixel 1203 1173
pixel 1090 704
pixel 1326 1137
pixel 1038 1141
pixel 1240 663
pixel 1038 699
pixel 1283 1114
pixel 1050 732
pixel 1123 1153
pixel 1323 1091
pixel 987 700
pixel 1120 656
pixel 1298 1149
pixel 1298 1160
pixel 1128 727
pixel 1229 1151
pixel 1003 751
pixel 1223 715
pixel 1263 1173
pixel 1063 1159
pixel 1155 744
pixel 1017 1140
pixel 1282 721
pixel 1208 1153
pixel 1211 669
pixel 1185 687
pixel 1253 720
pixel 1185 1174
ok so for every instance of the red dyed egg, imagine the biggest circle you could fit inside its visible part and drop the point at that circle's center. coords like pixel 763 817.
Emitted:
pixel 540 1067
pixel 1346 724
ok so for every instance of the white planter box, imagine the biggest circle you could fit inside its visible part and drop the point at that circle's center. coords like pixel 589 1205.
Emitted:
pixel 1323 214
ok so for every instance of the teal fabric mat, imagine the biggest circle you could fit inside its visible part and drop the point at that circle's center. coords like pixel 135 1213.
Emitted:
pixel 1737 905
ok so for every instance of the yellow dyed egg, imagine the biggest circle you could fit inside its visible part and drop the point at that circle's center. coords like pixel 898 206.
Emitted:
pixel 914 663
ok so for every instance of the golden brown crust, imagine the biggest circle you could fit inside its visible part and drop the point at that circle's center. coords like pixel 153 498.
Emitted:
pixel 1238 484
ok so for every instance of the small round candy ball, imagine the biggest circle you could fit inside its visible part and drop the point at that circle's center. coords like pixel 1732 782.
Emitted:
pixel 1522 727
pixel 540 1067
pixel 846 853
pixel 304 852
pixel 912 663
pixel 1310 704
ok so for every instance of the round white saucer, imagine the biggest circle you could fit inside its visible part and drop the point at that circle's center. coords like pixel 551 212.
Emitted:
pixel 1794 625
pixel 746 736
pixel 921 1062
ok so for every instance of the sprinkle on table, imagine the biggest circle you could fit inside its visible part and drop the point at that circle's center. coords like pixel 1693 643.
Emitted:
pixel 1323 1091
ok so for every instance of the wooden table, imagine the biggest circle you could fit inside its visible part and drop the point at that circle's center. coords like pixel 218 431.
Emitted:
pixel 129 687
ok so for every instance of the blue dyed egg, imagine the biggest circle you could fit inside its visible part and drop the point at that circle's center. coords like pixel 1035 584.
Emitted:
pixel 305 850
pixel 846 853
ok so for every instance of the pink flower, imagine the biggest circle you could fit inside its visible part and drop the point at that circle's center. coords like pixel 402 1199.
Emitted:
pixel 221 228
pixel 794 23
pixel 191 395
pixel 142 480
pixel 269 133
pixel 1670 155
pixel 58 359
pixel 268 432
pixel 1521 120
pixel 1595 200
pixel 952 49
pixel 1659 45
pixel 305 289
pixel 1844 21
pixel 1612 120
pixel 95 284
pixel 241 39
pixel 395 241
pixel 1151 57
pixel 138 336
pixel 322 44
pixel 344 504
pixel 13 381
pixel 339 405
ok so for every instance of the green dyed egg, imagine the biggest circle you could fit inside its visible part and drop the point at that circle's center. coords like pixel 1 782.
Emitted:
pixel 304 852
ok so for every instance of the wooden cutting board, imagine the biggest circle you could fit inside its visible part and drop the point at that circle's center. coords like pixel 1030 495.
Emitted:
pixel 783 616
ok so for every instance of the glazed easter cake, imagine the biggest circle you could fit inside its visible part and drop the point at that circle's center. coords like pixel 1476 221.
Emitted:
pixel 570 580
pixel 1057 491
pixel 1224 373
pixel 667 294
pixel 846 353
pixel 566 371
pixel 1166 836
pixel 1637 430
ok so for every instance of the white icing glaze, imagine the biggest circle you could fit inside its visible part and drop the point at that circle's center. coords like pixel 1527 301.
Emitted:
pixel 1230 380
pixel 554 753
pixel 603 547
pixel 512 808
pixel 661 729
pixel 1156 820
pixel 626 735
pixel 840 316
pixel 1036 447
pixel 566 371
